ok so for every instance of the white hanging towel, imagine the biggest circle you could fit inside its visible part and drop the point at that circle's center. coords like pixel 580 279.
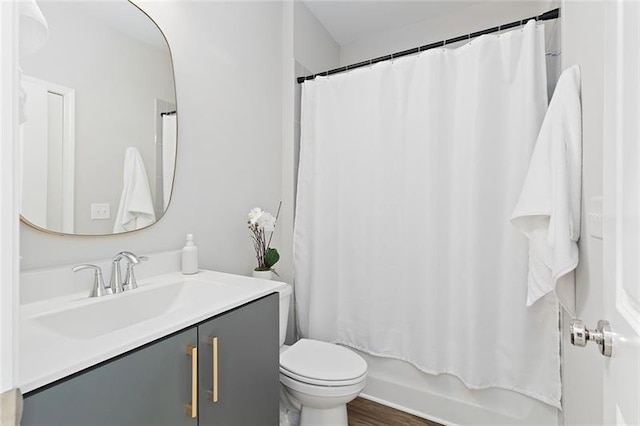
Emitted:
pixel 136 206
pixel 548 210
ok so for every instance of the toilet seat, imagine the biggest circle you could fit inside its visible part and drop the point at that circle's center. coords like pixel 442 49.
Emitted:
pixel 323 391
pixel 322 364
pixel 320 382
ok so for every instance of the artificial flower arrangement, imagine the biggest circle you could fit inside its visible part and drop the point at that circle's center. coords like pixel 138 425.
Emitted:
pixel 260 223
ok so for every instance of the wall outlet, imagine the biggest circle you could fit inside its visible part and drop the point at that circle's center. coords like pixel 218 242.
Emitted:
pixel 100 211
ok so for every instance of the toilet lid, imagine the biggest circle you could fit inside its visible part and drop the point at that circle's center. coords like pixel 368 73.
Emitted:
pixel 315 360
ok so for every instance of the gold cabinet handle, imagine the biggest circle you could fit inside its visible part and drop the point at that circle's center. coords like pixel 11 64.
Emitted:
pixel 192 409
pixel 213 393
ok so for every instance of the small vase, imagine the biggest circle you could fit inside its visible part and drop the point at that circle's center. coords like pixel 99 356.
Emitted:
pixel 265 275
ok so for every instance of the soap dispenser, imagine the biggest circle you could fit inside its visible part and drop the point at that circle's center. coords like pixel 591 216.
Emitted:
pixel 189 257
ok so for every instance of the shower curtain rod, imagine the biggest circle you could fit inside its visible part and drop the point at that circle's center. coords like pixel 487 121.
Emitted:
pixel 552 14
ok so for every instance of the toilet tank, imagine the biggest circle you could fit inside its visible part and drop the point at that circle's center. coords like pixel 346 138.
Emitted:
pixel 285 300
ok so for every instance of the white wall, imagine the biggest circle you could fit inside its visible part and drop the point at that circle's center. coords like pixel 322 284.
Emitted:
pixel 583 44
pixel 228 66
pixel 475 16
pixel 314 48
pixel 117 79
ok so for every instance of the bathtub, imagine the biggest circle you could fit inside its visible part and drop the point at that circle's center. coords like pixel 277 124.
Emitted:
pixel 444 399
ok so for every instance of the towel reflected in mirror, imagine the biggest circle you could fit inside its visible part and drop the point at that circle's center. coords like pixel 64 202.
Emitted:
pixel 135 210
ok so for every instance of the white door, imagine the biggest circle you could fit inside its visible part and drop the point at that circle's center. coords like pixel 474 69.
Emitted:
pixel 48 151
pixel 622 211
pixel 35 154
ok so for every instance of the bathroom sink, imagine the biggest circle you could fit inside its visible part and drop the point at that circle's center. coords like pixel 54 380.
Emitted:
pixel 63 335
pixel 97 316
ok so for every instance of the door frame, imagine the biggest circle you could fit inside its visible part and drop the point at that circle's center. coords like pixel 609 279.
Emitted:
pixel 9 196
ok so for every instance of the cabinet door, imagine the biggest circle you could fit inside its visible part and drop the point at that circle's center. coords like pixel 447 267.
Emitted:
pixel 247 366
pixel 149 386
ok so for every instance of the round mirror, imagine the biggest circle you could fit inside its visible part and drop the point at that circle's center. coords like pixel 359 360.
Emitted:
pixel 99 140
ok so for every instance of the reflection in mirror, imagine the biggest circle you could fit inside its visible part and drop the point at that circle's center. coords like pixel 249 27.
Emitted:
pixel 99 141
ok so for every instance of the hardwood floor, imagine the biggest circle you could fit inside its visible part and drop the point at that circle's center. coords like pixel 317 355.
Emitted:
pixel 363 412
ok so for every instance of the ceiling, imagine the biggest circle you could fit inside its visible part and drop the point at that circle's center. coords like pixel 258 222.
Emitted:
pixel 352 20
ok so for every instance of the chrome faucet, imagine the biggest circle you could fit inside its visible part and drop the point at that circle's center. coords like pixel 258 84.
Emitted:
pixel 117 285
pixel 99 289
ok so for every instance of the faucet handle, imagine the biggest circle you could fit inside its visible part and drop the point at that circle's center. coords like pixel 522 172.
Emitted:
pixel 98 282
pixel 130 282
pixel 132 258
pixel 115 282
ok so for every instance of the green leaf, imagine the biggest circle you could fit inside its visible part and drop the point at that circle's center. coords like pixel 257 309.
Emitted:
pixel 271 257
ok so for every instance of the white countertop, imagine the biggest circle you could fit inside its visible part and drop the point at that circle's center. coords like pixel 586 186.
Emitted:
pixel 47 354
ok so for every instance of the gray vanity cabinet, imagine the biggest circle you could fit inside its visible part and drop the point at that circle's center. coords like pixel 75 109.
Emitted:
pixel 247 364
pixel 153 384
pixel 149 386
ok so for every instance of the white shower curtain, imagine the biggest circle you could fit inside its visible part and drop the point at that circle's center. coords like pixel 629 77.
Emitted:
pixel 409 172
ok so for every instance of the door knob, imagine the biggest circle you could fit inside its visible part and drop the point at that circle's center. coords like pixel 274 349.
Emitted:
pixel 602 335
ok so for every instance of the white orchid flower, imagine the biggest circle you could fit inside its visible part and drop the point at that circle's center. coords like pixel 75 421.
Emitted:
pixel 260 223
pixel 267 222
pixel 254 215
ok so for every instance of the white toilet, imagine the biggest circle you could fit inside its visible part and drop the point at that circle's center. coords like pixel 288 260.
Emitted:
pixel 319 378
